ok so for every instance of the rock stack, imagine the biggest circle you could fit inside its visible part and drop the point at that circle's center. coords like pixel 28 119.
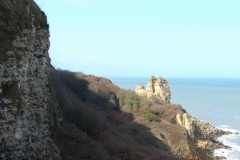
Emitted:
pixel 140 90
pixel 159 88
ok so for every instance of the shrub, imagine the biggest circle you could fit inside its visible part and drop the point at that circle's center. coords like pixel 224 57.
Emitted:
pixel 146 102
pixel 79 75
pixel 154 99
pixel 69 91
pixel 153 115
pixel 129 98
pixel 70 81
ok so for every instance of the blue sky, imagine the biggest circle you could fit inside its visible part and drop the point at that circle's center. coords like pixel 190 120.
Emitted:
pixel 139 38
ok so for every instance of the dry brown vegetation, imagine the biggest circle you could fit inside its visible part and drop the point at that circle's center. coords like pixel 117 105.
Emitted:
pixel 97 125
pixel 94 127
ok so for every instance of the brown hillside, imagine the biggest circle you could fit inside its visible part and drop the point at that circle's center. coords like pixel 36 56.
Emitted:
pixel 90 130
pixel 103 121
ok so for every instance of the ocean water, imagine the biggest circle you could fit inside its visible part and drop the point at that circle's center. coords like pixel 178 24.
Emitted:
pixel 214 100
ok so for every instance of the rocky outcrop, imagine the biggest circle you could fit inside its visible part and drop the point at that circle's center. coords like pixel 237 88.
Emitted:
pixel 24 69
pixel 201 133
pixel 188 137
pixel 139 89
pixel 159 88
pixel 197 129
pixel 162 89
pixel 150 89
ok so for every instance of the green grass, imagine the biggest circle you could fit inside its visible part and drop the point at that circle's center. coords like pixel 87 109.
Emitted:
pixel 153 115
pixel 129 98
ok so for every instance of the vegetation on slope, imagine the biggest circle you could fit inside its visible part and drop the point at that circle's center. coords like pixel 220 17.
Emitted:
pixel 101 121
pixel 93 125
pixel 153 115
pixel 129 100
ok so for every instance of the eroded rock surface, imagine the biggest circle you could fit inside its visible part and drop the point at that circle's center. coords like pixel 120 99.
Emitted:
pixel 155 87
pixel 197 129
pixel 24 117
pixel 140 90
pixel 200 132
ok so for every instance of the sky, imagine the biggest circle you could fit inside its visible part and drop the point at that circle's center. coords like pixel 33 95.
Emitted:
pixel 140 38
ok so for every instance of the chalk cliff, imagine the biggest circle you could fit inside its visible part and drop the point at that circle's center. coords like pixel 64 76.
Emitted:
pixel 155 87
pixel 24 69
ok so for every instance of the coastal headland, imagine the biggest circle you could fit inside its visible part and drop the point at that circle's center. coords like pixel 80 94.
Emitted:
pixel 57 114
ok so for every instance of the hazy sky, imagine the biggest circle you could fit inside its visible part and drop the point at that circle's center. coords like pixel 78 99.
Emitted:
pixel 170 38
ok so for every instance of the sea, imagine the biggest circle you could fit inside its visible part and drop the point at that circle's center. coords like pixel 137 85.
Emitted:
pixel 215 100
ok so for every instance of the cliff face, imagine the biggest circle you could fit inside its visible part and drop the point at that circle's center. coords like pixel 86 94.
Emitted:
pixel 197 129
pixel 201 132
pixel 155 87
pixel 24 69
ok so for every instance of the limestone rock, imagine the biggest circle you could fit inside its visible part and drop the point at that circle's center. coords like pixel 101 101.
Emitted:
pixel 197 129
pixel 155 87
pixel 162 90
pixel 200 133
pixel 140 90
pixel 6 101
pixel 1 70
pixel 150 89
pixel 10 54
pixel 24 124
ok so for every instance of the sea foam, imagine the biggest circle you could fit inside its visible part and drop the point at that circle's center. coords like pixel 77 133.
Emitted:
pixel 231 140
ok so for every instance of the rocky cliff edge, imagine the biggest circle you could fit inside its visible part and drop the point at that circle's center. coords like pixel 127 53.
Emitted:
pixel 24 92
